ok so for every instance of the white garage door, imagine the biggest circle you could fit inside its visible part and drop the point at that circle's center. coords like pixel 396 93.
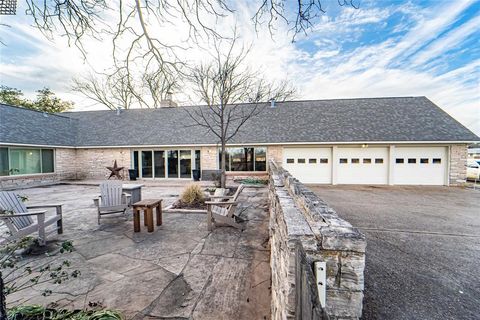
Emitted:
pixel 362 165
pixel 420 165
pixel 309 165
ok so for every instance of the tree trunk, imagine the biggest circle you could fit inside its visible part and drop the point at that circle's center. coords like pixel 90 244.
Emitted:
pixel 3 304
pixel 223 178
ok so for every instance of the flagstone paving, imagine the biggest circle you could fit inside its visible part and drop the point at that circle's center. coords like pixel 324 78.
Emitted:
pixel 181 271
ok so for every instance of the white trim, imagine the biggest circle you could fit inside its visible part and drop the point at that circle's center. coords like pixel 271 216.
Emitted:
pixel 280 144
pixel 47 146
pixel 244 144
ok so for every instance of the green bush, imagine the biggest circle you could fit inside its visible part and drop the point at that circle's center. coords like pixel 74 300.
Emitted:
pixel 192 194
pixel 36 312
pixel 254 181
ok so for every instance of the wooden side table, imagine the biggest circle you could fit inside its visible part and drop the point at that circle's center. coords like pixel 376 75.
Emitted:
pixel 147 207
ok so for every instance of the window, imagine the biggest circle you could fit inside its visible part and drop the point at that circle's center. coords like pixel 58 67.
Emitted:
pixel 290 160
pixel 312 160
pixel 412 160
pixel 147 169
pixel 355 160
pixel 367 160
pixel 300 160
pixel 324 160
pixel 185 163
pixel 378 160
pixel 47 160
pixel 172 156
pixel 4 162
pixel 260 159
pixel 197 160
pixel 424 160
pixel 436 160
pixel 343 160
pixel 399 160
pixel 159 160
pixel 15 161
pixel 245 159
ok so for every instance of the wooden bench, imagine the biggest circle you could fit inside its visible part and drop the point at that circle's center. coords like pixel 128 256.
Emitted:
pixel 147 207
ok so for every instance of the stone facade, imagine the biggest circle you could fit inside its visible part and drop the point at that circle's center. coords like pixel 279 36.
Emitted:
pixel 65 169
pixel 297 215
pixel 458 164
pixel 92 163
pixel 275 153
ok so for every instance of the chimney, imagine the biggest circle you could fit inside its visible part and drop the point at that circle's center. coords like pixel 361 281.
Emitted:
pixel 119 110
pixel 272 103
pixel 168 101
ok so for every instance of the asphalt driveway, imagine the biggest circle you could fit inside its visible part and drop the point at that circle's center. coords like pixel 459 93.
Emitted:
pixel 423 248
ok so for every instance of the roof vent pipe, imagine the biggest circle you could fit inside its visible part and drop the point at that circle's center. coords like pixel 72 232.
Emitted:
pixel 119 110
pixel 272 103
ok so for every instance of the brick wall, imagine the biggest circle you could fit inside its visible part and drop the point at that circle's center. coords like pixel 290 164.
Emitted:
pixel 275 153
pixel 458 164
pixel 92 163
pixel 298 215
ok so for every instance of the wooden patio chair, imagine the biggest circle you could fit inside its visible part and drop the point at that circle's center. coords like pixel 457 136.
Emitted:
pixel 19 220
pixel 224 211
pixel 112 199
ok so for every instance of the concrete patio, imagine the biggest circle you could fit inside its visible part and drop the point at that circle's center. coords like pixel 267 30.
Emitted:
pixel 180 271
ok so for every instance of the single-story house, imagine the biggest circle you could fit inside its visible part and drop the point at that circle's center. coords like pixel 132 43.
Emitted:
pixel 394 141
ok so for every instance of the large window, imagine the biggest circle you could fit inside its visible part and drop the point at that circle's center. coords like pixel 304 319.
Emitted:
pixel 245 159
pixel 15 161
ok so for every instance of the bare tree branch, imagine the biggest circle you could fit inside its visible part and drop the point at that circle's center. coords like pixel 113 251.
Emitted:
pixel 233 94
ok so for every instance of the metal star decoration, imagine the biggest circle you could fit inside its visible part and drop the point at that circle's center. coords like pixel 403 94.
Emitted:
pixel 115 171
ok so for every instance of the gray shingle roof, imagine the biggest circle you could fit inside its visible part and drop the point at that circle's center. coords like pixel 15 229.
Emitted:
pixel 345 120
pixel 23 126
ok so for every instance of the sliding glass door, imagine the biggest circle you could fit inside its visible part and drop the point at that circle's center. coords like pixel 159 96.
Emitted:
pixel 185 163
pixel 165 163
pixel 172 163
pixel 159 160
pixel 147 164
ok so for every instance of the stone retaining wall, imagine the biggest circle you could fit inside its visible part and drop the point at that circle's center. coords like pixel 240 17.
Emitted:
pixel 298 215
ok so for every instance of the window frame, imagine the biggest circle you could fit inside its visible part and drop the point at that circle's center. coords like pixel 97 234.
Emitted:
pixel 228 157
pixel 9 163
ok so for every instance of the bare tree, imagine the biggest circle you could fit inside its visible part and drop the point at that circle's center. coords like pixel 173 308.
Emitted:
pixel 233 94
pixel 120 89
pixel 301 16
pixel 135 31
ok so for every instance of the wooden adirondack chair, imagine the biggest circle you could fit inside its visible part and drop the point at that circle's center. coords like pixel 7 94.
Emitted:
pixel 19 220
pixel 223 211
pixel 112 199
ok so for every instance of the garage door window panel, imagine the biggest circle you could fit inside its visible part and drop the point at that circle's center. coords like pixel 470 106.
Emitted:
pixel 312 160
pixel 367 161
pixel 300 160
pixel 324 161
pixel 355 160
pixel 290 160
pixel 424 160
pixel 378 161
pixel 436 161
pixel 399 160
pixel 343 160
pixel 412 160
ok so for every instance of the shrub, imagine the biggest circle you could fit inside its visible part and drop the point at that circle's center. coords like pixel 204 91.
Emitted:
pixel 254 181
pixel 192 194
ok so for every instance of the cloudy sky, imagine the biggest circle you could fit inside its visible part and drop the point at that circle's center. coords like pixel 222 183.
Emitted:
pixel 384 48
